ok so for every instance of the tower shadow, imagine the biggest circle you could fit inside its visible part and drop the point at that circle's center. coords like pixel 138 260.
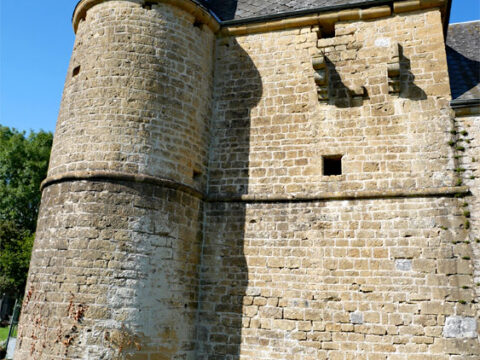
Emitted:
pixel 224 271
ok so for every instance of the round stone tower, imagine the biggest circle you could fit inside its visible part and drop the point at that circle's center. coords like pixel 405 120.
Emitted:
pixel 114 267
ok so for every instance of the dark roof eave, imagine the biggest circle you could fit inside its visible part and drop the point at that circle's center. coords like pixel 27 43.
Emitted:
pixel 361 5
pixel 459 104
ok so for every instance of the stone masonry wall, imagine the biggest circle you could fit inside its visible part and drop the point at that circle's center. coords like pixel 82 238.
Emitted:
pixel 316 279
pixel 141 100
pixel 115 264
pixel 467 145
pixel 113 272
pixel 280 261
pixel 367 279
pixel 270 130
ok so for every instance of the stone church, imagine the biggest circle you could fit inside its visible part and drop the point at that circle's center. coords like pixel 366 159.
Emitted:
pixel 253 180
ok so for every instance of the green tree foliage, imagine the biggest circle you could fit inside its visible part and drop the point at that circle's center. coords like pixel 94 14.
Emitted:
pixel 16 247
pixel 23 166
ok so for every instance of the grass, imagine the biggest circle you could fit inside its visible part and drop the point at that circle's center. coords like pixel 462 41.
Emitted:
pixel 3 334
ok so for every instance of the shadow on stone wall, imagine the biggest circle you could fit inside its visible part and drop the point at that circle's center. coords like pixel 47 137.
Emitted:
pixel 409 90
pixel 344 97
pixel 224 270
pixel 341 95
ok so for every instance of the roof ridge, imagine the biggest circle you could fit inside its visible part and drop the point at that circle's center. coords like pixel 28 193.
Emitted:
pixel 464 22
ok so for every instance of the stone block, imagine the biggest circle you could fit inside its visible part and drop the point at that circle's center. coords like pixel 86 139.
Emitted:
pixel 460 327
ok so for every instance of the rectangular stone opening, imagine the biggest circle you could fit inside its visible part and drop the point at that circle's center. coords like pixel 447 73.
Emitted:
pixel 327 31
pixel 76 71
pixel 332 165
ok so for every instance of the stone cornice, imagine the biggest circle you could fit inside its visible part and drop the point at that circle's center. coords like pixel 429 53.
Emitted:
pixel 329 17
pixel 319 196
pixel 265 24
pixel 199 12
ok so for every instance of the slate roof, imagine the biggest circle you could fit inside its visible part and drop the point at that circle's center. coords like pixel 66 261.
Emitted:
pixel 463 56
pixel 244 9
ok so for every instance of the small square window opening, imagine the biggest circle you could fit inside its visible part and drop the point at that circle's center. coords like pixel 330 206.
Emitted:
pixel 332 165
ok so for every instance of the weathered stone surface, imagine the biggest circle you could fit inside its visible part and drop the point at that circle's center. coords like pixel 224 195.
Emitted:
pixel 403 264
pixel 244 248
pixel 141 100
pixel 125 279
pixel 114 270
pixel 356 318
pixel 270 131
pixel 340 288
pixel 468 136
pixel 460 327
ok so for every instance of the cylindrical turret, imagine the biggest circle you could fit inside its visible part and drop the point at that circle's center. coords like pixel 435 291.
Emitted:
pixel 114 266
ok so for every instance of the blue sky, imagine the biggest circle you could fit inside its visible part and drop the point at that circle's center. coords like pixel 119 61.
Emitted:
pixel 36 41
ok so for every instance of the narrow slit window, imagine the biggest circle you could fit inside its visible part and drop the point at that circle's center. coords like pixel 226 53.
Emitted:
pixel 76 71
pixel 332 165
pixel 197 174
pixel 147 5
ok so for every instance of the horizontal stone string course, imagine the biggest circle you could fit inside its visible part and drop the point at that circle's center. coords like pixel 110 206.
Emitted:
pixel 458 191
pixel 119 176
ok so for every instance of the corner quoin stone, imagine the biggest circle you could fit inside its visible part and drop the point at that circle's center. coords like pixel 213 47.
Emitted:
pixel 403 264
pixel 356 318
